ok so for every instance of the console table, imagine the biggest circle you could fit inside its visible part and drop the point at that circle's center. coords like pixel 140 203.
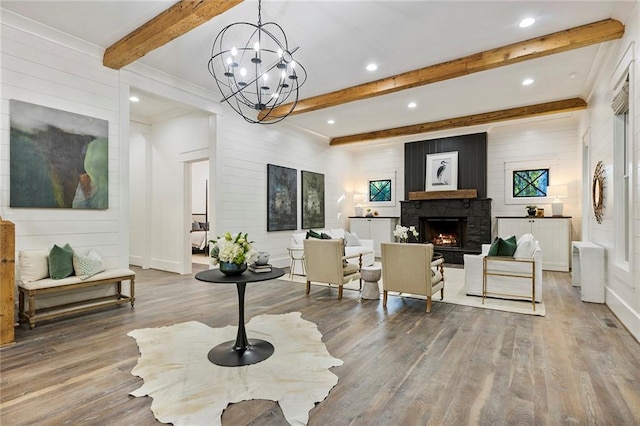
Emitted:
pixel 242 351
pixel 588 271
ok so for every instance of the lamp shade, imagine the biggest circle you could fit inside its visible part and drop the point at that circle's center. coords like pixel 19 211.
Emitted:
pixel 557 191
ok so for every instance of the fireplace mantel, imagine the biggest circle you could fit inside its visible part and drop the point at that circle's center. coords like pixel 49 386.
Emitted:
pixel 443 195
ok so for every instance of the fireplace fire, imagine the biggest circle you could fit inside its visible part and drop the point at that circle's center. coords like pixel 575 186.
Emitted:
pixel 444 232
pixel 445 240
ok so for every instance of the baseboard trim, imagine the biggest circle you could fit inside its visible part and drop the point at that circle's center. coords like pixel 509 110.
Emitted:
pixel 625 313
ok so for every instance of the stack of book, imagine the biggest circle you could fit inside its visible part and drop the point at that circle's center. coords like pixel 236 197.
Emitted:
pixel 259 268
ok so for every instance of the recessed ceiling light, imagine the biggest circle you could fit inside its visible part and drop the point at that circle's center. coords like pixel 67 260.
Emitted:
pixel 372 67
pixel 134 98
pixel 527 81
pixel 526 22
pixel 331 121
pixel 412 105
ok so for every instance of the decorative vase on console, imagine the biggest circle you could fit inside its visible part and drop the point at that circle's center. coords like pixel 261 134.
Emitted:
pixel 531 210
pixel 232 252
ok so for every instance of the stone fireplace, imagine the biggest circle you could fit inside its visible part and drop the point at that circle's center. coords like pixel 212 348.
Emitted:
pixel 454 226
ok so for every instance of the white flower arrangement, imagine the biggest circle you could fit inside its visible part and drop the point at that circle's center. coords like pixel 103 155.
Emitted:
pixel 402 232
pixel 232 248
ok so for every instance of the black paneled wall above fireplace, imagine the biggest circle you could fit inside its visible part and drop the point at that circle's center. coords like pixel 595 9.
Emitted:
pixel 472 162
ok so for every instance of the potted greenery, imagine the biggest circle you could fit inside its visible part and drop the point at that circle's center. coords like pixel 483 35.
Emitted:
pixel 531 210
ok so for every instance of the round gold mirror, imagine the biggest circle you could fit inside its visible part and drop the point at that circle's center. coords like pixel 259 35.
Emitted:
pixel 597 191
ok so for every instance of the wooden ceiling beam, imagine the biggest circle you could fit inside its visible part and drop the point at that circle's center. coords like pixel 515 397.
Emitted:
pixel 567 105
pixel 179 19
pixel 561 41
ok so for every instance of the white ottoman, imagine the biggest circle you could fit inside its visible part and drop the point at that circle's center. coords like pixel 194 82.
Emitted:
pixel 370 277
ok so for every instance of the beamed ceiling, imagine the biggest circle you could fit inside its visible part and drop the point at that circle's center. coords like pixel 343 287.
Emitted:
pixel 462 63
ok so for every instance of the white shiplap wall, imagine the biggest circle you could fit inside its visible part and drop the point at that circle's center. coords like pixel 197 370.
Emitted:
pixel 240 194
pixel 238 161
pixel 44 67
pixel 554 142
pixel 622 287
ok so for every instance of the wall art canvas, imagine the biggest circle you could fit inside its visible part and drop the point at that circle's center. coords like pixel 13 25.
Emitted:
pixel 312 200
pixel 442 171
pixel 57 159
pixel 282 195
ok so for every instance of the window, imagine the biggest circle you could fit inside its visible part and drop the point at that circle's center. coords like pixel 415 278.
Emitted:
pixel 530 183
pixel 380 190
pixel 622 170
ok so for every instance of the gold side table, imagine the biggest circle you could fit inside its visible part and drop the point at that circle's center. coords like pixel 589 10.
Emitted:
pixel 297 256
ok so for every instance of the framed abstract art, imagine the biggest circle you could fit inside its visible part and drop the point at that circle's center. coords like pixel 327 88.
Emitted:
pixel 282 194
pixel 312 200
pixel 57 159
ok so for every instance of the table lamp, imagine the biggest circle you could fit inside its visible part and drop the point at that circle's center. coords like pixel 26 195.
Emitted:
pixel 557 192
pixel 358 199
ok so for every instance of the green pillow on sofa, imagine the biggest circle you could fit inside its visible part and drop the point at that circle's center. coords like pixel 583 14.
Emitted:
pixel 61 262
pixel 313 234
pixel 503 247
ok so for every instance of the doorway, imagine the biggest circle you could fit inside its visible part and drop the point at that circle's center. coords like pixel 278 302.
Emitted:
pixel 199 235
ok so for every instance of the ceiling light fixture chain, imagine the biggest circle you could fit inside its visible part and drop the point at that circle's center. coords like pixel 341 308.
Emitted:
pixel 259 74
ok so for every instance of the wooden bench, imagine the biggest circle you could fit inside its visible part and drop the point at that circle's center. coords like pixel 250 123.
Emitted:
pixel 47 285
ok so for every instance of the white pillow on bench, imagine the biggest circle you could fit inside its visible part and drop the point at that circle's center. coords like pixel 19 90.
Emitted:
pixel 34 265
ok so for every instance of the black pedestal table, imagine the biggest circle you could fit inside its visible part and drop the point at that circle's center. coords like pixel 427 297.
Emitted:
pixel 243 351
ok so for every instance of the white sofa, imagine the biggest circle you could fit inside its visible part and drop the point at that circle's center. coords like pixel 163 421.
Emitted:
pixel 527 248
pixel 365 247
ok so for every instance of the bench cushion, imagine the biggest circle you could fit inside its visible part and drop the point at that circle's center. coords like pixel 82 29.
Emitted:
pixel 49 283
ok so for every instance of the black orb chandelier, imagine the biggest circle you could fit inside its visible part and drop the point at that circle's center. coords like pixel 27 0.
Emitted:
pixel 255 70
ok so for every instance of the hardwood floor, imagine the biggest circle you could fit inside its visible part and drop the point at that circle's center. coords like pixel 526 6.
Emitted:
pixel 457 365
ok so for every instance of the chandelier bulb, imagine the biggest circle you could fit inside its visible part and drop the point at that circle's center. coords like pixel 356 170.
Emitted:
pixel 293 64
pixel 243 72
pixel 256 46
pixel 265 77
pixel 234 51
pixel 279 53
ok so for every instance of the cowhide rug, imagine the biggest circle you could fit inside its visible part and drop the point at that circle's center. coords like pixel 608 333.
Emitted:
pixel 187 389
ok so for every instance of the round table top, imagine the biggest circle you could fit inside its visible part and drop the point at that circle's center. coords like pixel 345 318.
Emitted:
pixel 215 276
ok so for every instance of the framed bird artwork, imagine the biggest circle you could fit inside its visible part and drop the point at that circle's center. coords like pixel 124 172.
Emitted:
pixel 442 171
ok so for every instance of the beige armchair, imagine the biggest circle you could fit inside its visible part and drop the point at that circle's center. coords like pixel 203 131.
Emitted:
pixel 408 268
pixel 325 262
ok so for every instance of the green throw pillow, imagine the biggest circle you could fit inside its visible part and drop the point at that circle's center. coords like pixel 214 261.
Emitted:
pixel 495 245
pixel 508 247
pixel 313 234
pixel 501 247
pixel 61 262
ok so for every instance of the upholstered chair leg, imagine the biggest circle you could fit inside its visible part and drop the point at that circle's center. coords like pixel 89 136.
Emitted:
pixel 384 298
pixel 428 304
pixel 442 293
pixel 339 292
pixel 308 287
pixel 360 284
